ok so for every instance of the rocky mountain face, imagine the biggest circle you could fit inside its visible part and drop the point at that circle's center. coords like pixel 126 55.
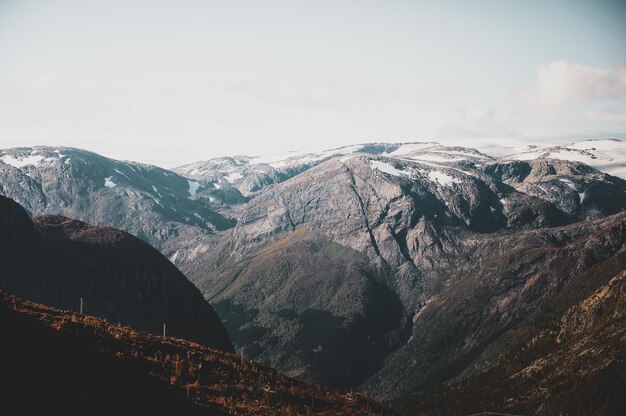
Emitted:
pixel 395 268
pixel 154 204
pixel 251 174
pixel 326 274
pixel 607 155
pixel 498 296
pixel 58 261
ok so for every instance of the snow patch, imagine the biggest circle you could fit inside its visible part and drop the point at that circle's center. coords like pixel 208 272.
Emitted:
pixel 193 187
pixel 408 148
pixel 387 168
pixel 154 188
pixel 200 249
pixel 317 349
pixel 435 158
pixel 21 161
pixel 121 173
pixel 231 177
pixel 174 256
pixel 442 178
pixel 569 184
pixel 108 182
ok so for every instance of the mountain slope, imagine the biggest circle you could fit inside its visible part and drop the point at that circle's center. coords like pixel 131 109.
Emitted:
pixel 336 256
pixel 490 306
pixel 157 205
pixel 56 260
pixel 56 362
pixel 251 174
pixel 361 243
pixel 606 155
pixel 576 365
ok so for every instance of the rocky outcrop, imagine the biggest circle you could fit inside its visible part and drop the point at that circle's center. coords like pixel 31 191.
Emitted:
pixel 573 187
pixel 58 261
pixel 490 307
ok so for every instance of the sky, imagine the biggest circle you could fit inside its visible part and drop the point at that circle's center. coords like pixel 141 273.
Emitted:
pixel 172 82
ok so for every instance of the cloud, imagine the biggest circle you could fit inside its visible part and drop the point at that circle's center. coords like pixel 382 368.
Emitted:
pixel 560 83
pixel 478 123
pixel 606 115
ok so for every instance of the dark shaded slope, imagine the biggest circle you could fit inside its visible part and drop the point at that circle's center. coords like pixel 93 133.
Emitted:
pixel 57 261
pixel 575 365
pixel 56 362
pixel 319 305
pixel 47 371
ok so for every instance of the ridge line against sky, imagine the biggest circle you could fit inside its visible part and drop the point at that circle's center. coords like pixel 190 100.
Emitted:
pixel 169 83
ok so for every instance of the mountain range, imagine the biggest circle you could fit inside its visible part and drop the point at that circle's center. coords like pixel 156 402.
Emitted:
pixel 397 269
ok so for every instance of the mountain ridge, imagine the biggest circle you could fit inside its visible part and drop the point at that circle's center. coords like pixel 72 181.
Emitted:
pixel 311 258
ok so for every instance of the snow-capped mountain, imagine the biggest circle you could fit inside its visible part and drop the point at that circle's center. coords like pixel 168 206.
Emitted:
pixel 607 155
pixel 251 174
pixel 344 266
pixel 154 204
pixel 332 267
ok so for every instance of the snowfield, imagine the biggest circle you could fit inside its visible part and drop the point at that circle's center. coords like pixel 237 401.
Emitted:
pixel 606 155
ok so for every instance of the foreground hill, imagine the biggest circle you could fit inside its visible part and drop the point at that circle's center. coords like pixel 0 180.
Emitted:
pixel 56 260
pixel 58 362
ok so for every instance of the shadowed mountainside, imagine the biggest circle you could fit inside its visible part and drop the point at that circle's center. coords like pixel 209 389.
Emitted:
pixel 574 365
pixel 57 362
pixel 57 261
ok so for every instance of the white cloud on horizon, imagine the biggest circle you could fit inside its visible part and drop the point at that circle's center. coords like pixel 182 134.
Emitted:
pixel 560 83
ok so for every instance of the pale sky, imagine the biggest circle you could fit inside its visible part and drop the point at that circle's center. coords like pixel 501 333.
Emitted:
pixel 172 82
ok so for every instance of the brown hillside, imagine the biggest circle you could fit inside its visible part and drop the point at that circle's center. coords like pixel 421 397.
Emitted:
pixel 59 362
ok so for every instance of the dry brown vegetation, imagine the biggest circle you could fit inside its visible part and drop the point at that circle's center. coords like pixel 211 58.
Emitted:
pixel 185 377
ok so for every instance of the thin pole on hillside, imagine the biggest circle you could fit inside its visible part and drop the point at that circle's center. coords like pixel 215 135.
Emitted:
pixel 164 330
pixel 81 306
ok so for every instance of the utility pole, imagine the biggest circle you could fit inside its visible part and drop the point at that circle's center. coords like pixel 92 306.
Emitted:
pixel 163 330
pixel 81 306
